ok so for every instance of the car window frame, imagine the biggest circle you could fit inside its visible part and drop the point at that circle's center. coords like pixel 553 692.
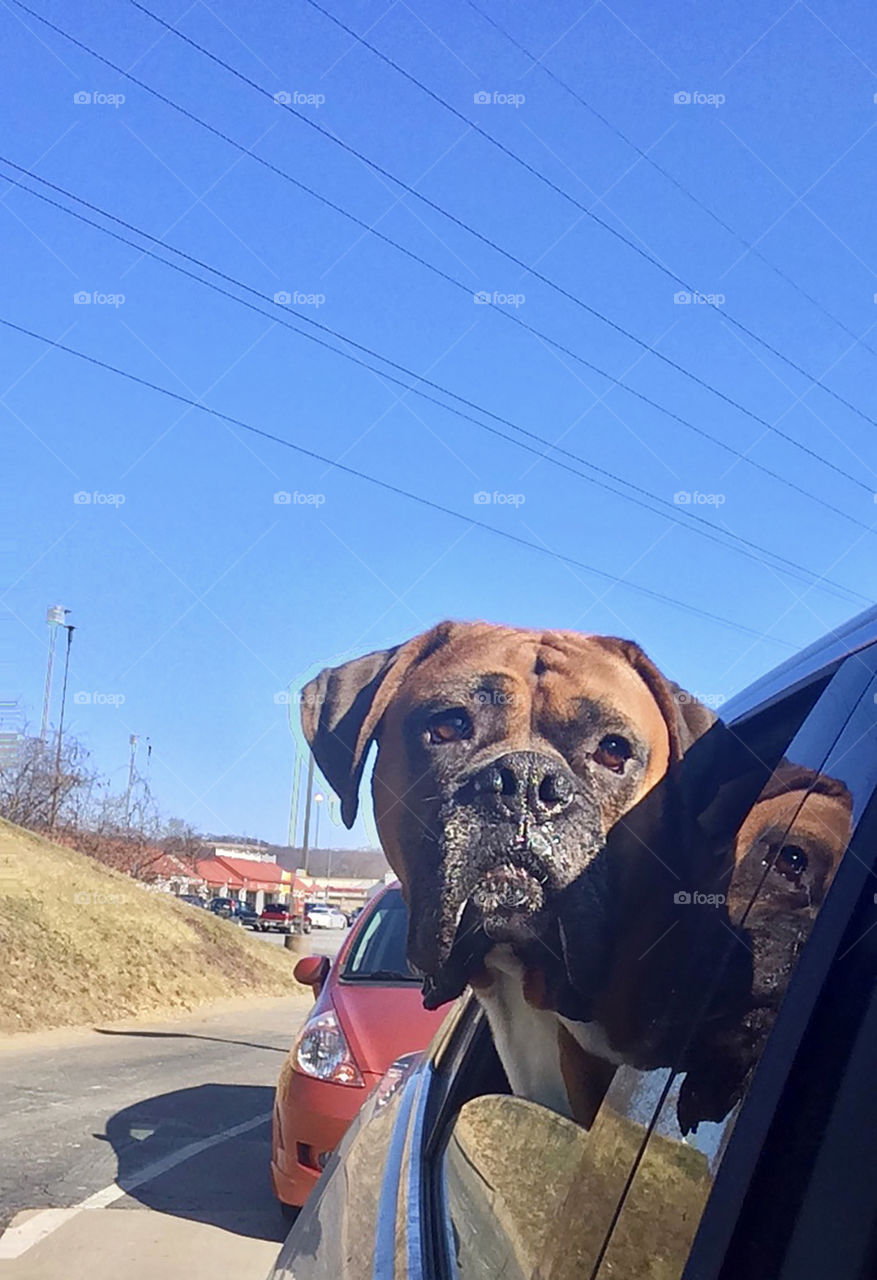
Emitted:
pixel 831 722
pixel 856 670
pixel 721 1218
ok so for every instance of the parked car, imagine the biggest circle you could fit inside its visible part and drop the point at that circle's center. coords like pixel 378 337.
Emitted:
pixel 222 906
pixel 282 917
pixel 326 917
pixel 192 899
pixel 368 1012
pixel 245 915
pixel 718 1169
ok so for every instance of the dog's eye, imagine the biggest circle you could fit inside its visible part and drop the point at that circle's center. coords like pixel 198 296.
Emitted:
pixel 449 726
pixel 612 752
pixel 791 862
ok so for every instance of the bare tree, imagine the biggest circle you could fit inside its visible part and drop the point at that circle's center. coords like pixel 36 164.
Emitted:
pixel 180 839
pixel 122 831
pixel 28 781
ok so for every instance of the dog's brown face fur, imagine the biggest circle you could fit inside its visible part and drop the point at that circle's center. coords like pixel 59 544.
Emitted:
pixel 504 758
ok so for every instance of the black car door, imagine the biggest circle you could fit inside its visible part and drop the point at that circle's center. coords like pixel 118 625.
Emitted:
pixel 509 1188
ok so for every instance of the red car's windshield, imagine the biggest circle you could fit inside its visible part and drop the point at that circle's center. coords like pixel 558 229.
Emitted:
pixel 378 953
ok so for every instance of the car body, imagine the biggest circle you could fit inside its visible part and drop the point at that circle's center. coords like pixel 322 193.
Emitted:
pixel 369 1011
pixel 282 918
pixel 191 899
pixel 244 914
pixel 224 907
pixel 325 917
pixel 445 1175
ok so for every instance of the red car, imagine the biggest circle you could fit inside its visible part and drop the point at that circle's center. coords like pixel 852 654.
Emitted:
pixel 282 917
pixel 368 1013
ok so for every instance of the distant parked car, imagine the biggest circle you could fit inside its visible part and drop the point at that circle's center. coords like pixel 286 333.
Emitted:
pixel 325 917
pixel 222 906
pixel 282 917
pixel 369 1012
pixel 192 899
pixel 244 914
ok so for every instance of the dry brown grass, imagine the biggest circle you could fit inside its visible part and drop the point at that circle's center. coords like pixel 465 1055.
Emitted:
pixel 80 943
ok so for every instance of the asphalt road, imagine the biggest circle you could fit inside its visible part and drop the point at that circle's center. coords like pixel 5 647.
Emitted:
pixel 149 1142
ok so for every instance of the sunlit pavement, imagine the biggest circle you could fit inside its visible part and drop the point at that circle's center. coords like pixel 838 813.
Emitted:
pixel 321 942
pixel 141 1150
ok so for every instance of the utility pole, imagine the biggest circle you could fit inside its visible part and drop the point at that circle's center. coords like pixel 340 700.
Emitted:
pixel 318 800
pixel 307 831
pixel 56 788
pixel 133 740
pixel 293 803
pixel 55 615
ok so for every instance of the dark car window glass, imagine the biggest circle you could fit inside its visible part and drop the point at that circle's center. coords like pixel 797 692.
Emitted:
pixel 684 974
pixel 783 861
pixel 379 950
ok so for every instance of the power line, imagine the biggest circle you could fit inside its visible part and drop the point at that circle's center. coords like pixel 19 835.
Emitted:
pixel 391 488
pixel 553 186
pixel 665 173
pixel 763 422
pixel 774 475
pixel 691 521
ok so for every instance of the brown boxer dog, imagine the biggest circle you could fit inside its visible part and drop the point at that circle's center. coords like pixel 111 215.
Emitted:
pixel 505 756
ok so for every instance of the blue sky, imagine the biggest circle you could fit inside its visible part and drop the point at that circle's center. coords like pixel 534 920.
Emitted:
pixel 200 600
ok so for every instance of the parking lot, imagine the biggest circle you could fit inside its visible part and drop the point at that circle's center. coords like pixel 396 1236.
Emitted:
pixel 322 942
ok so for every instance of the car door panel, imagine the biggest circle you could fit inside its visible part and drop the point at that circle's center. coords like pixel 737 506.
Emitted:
pixel 636 1133
pixel 809 807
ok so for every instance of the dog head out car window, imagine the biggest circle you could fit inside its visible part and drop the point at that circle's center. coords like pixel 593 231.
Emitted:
pixel 505 756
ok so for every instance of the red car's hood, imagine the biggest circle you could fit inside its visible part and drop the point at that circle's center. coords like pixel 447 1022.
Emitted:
pixel 383 1023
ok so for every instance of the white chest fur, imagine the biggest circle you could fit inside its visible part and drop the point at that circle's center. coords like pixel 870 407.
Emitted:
pixel 526 1038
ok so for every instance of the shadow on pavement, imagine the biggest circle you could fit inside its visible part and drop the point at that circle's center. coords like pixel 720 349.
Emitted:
pixel 228 1185
pixel 185 1035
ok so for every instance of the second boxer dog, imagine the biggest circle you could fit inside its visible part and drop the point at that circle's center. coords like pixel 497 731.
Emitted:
pixel 505 756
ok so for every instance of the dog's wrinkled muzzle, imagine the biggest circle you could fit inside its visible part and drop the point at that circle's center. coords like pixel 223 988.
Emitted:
pixel 515 836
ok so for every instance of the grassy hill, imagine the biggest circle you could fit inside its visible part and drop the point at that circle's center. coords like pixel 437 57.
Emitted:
pixel 80 943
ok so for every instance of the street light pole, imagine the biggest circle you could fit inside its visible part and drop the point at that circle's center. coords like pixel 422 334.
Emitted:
pixel 307 831
pixel 57 785
pixel 133 739
pixel 55 618
pixel 318 800
pixel 294 798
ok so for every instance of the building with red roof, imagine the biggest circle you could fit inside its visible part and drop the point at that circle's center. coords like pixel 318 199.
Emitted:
pixel 252 880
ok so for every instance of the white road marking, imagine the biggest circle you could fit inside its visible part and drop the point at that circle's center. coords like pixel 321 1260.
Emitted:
pixel 17 1240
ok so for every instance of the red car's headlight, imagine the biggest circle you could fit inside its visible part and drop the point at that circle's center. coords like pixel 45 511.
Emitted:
pixel 323 1052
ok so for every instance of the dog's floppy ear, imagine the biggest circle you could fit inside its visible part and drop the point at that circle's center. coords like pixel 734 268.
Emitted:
pixel 342 707
pixel 727 771
pixel 721 770
pixel 685 717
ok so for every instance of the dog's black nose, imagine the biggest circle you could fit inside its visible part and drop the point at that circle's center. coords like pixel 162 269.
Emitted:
pixel 525 784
